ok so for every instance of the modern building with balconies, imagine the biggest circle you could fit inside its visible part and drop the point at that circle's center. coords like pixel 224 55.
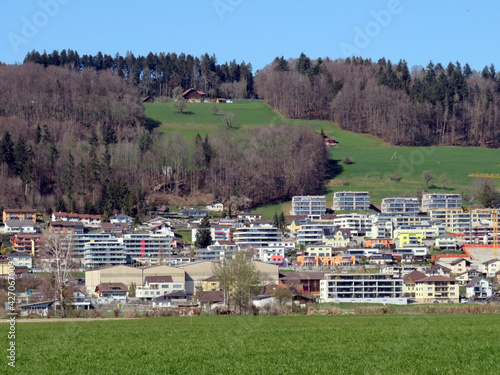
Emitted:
pixel 371 288
pixel 256 235
pixel 308 205
pixel 439 201
pixel 402 206
pixel 351 200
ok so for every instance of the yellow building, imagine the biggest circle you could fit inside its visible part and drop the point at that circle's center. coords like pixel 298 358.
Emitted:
pixel 340 238
pixel 409 239
pixel 409 282
pixel 4 267
pixel 437 288
pixel 211 284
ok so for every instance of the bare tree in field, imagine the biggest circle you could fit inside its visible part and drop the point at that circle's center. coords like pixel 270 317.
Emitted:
pixel 238 278
pixel 427 176
pixel 179 105
pixel 59 251
pixel 228 118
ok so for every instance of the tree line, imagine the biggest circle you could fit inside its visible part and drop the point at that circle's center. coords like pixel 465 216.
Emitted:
pixel 157 74
pixel 79 141
pixel 435 105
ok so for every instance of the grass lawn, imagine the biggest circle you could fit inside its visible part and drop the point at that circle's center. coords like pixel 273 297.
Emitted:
pixel 396 344
pixel 199 118
pixel 186 235
pixel 375 161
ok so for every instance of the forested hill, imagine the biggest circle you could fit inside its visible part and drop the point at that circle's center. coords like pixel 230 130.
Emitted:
pixel 78 141
pixel 157 75
pixel 435 105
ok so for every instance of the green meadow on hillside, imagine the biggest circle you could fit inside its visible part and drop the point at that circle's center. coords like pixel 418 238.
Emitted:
pixel 374 161
pixel 335 344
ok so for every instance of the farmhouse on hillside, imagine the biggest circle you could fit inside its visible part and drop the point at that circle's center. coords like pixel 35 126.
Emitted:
pixel 193 96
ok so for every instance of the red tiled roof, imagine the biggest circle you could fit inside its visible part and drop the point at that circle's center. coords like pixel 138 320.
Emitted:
pixel 20 211
pixel 435 279
pixel 112 287
pixel 158 279
pixel 414 275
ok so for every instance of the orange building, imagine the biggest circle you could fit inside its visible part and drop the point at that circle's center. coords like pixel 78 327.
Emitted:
pixel 18 214
pixel 379 242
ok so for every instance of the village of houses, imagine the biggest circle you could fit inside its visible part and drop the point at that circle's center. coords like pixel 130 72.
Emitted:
pixel 410 251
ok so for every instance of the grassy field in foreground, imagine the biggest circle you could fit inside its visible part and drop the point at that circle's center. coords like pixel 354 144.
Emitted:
pixel 375 161
pixel 402 344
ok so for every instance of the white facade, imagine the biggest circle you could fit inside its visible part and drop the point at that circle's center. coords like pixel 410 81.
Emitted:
pixel 407 206
pixel 308 205
pixel 309 234
pixel 103 253
pixel 440 201
pixel 319 251
pixel 358 224
pixel 256 235
pixel 157 289
pixel 478 288
pixel 374 288
pixel 351 200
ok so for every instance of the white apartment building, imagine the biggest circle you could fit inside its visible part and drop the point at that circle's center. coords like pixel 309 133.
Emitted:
pixel 157 286
pixel 456 220
pixel 439 201
pixel 309 234
pixel 216 252
pixel 358 224
pixel 140 245
pixel 374 288
pixel 319 251
pixel 256 235
pixel 351 200
pixel 274 249
pixel 308 205
pixel 104 253
pixel 406 206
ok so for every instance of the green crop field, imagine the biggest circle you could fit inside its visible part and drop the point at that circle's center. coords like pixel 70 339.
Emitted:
pixel 374 161
pixel 380 344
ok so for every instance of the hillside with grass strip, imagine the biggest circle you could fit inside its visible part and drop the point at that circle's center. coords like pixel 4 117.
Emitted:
pixel 376 166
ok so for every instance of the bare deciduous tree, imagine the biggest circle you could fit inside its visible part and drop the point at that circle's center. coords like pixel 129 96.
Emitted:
pixel 238 278
pixel 427 176
pixel 59 252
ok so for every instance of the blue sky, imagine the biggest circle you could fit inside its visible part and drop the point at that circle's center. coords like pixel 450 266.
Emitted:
pixel 257 31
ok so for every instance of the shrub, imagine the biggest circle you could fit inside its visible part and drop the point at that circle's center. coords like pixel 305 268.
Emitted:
pixel 395 176
pixel 95 314
pixel 347 160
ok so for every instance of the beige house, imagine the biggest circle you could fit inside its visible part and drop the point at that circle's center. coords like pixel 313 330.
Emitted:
pixel 491 267
pixel 437 288
pixel 128 275
pixel 460 265
pixel 198 272
pixel 409 282
pixel 215 206
pixel 319 250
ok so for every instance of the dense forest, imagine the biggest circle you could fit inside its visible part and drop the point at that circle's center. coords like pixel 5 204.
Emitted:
pixel 78 141
pixel 157 75
pixel 435 105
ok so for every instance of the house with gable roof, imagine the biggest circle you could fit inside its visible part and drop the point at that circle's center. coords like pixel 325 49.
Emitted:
pixel 479 288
